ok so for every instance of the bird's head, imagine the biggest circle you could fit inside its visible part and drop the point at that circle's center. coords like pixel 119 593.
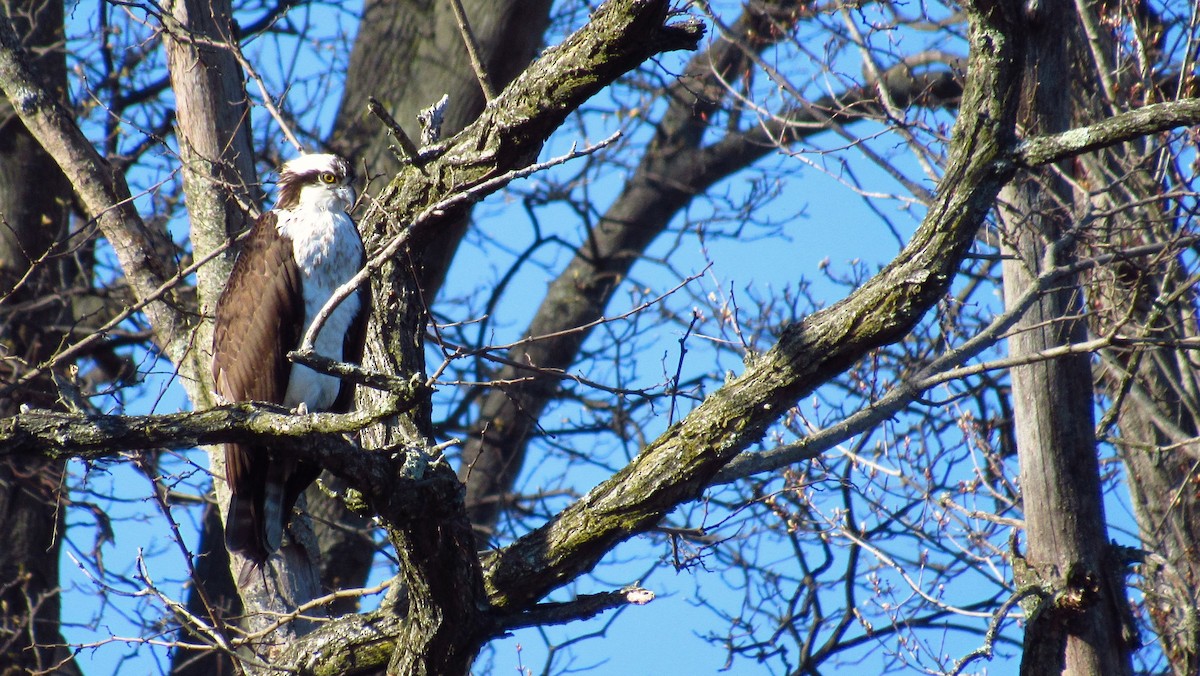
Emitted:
pixel 316 180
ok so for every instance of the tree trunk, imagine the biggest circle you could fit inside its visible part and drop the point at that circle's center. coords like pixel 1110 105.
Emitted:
pixel 34 276
pixel 1076 624
pixel 1170 526
pixel 1154 389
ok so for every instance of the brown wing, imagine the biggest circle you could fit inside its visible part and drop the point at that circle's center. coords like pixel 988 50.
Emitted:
pixel 259 317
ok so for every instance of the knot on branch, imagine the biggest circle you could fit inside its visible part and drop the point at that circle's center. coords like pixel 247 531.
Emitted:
pixel 1053 597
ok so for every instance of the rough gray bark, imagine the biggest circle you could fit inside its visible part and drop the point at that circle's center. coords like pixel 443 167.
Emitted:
pixel 1161 463
pixel 447 616
pixel 219 178
pixel 1075 628
pixel 677 466
pixel 35 212
pixel 1155 395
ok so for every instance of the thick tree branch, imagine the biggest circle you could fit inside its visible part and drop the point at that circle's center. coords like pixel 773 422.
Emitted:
pixel 213 133
pixel 581 608
pixel 1119 128
pixel 499 437
pixel 511 131
pixel 54 434
pixel 447 618
pixel 677 166
pixel 678 466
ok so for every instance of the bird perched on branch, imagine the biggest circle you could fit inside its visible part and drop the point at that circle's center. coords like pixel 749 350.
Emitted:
pixel 296 255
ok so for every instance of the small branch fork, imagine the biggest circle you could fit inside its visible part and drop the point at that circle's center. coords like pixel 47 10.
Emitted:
pixel 408 150
pixel 300 612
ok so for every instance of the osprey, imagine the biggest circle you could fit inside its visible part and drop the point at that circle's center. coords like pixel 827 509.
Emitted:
pixel 297 254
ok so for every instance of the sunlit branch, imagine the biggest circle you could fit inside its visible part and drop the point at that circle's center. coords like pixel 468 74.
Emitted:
pixel 68 435
pixel 301 610
pixel 1126 126
pixel 943 369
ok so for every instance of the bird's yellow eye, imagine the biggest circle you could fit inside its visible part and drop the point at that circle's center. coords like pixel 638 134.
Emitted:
pixel 327 177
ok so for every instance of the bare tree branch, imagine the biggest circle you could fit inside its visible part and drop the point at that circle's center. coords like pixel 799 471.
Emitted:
pixel 1126 126
pixel 678 465
pixel 102 193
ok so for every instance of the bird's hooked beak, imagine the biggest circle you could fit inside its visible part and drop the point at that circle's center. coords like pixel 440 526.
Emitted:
pixel 345 194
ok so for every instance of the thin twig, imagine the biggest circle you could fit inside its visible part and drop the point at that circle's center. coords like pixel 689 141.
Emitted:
pixel 180 611
pixel 282 619
pixel 489 93
pixel 409 150
pixel 993 630
pixel 935 372
pixel 100 333
pixel 460 351
pixel 406 388
pixel 582 608
pixel 268 102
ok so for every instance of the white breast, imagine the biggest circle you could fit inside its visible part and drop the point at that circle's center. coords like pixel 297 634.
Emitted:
pixel 328 252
